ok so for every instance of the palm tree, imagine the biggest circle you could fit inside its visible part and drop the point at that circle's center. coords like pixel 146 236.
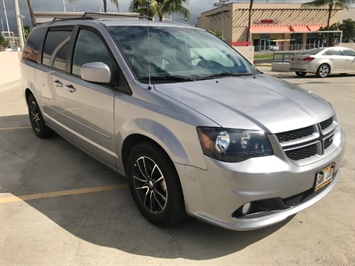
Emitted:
pixel 159 7
pixel 249 18
pixel 113 1
pixel 332 4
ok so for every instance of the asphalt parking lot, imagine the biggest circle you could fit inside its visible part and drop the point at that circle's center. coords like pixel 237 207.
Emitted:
pixel 58 206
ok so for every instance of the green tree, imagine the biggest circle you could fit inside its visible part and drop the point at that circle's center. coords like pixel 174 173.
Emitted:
pixel 217 33
pixel 112 1
pixel 332 38
pixel 3 42
pixel 26 31
pixel 331 4
pixel 159 7
pixel 348 28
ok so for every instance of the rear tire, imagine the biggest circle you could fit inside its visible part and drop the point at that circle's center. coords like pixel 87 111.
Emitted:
pixel 37 122
pixel 323 71
pixel 300 74
pixel 155 185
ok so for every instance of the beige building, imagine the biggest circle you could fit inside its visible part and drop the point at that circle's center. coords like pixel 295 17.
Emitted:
pixel 281 26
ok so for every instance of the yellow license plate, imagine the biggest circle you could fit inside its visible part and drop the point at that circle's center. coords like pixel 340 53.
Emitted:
pixel 324 177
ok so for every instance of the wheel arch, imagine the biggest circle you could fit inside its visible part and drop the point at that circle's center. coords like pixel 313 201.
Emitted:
pixel 186 150
pixel 132 140
pixel 28 92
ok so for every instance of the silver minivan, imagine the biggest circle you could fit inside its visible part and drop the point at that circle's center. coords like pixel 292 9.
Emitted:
pixel 195 128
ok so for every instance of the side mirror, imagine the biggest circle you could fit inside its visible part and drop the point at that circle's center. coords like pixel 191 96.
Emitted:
pixel 96 72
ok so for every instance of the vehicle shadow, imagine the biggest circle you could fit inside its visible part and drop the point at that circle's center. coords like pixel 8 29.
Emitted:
pixel 106 218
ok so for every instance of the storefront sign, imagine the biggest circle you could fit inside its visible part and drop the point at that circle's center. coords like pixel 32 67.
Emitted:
pixel 266 21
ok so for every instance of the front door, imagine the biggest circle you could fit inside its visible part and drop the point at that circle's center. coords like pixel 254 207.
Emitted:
pixel 90 106
pixel 349 64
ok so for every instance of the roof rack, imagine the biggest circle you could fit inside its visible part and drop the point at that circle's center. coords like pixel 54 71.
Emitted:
pixel 42 17
pixel 99 15
pixel 73 18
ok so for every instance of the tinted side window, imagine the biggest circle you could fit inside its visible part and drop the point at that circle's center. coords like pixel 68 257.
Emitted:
pixel 333 52
pixel 349 52
pixel 56 48
pixel 34 42
pixel 312 51
pixel 90 48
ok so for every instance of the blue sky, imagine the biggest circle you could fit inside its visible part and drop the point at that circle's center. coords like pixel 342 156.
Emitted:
pixel 196 7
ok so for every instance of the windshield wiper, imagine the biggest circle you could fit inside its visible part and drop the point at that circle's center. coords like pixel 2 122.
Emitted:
pixel 172 78
pixel 225 74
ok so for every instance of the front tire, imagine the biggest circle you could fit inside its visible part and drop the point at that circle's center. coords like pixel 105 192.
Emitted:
pixel 155 185
pixel 37 122
pixel 323 71
pixel 300 74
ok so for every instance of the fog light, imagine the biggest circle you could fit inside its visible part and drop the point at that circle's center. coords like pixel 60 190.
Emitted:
pixel 246 208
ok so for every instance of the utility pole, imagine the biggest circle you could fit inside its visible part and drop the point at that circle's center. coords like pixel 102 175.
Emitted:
pixel 19 24
pixel 6 20
pixel 222 3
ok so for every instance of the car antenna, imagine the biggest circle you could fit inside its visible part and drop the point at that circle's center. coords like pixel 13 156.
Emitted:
pixel 149 83
pixel 149 80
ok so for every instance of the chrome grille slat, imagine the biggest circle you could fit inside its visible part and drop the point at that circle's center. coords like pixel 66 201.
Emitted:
pixel 295 134
pixel 309 141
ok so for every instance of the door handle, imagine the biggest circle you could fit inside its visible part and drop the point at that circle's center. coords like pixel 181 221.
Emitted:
pixel 70 88
pixel 58 84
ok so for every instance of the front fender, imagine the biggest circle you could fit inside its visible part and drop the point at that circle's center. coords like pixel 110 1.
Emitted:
pixel 177 139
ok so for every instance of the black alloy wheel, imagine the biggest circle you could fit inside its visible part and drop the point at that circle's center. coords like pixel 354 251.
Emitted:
pixel 155 185
pixel 37 122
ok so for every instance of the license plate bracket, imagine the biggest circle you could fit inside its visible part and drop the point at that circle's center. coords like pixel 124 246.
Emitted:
pixel 324 177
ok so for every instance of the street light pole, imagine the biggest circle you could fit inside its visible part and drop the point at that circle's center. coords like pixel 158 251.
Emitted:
pixel 19 24
pixel 222 3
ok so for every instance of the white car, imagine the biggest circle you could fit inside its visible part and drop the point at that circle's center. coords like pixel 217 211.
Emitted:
pixel 323 61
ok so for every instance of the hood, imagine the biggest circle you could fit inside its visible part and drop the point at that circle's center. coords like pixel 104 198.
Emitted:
pixel 251 102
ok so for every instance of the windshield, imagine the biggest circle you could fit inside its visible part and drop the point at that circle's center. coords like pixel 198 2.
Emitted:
pixel 172 54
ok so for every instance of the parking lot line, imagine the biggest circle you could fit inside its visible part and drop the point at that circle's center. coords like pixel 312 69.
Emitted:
pixel 13 128
pixel 61 193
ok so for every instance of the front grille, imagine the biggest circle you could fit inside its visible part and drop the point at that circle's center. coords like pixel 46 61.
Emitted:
pixel 328 141
pixel 308 141
pixel 302 153
pixel 295 134
pixel 325 124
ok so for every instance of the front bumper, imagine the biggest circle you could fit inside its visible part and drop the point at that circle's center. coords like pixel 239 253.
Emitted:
pixel 215 194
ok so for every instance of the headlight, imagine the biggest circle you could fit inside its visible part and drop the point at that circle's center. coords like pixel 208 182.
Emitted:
pixel 233 145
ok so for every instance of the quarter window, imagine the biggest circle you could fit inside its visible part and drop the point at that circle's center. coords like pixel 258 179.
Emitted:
pixel 333 52
pixel 56 49
pixel 35 40
pixel 90 48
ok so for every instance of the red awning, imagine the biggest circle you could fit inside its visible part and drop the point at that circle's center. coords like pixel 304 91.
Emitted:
pixel 269 29
pixel 299 28
pixel 241 43
pixel 315 27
